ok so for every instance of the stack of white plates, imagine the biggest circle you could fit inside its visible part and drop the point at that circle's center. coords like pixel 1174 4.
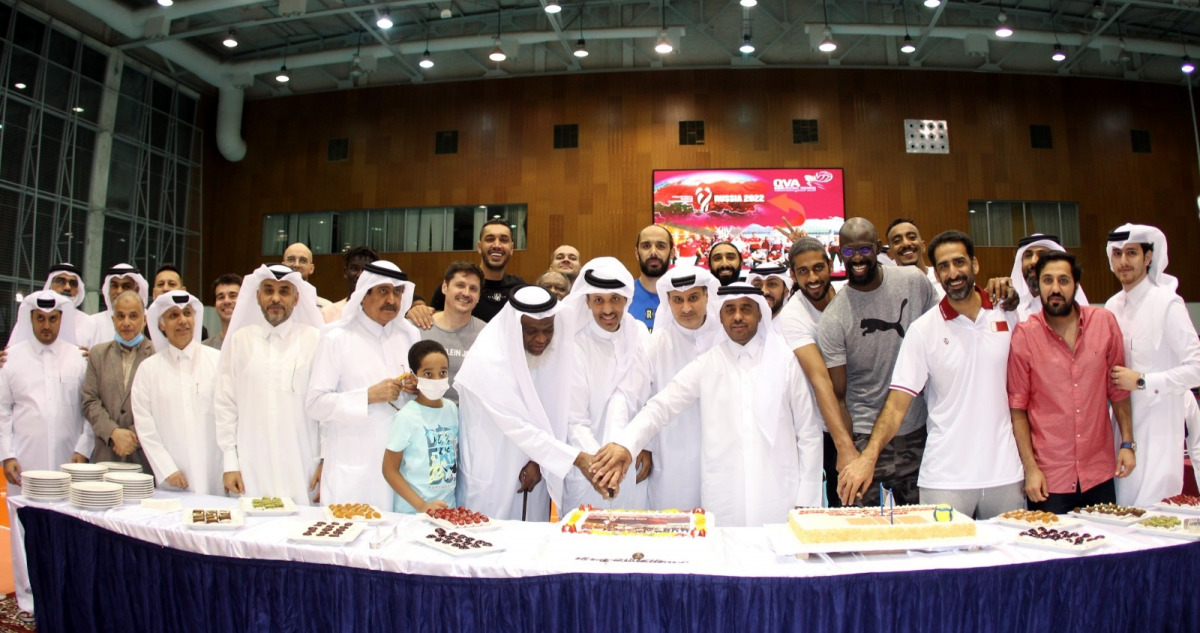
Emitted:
pixel 137 486
pixel 96 495
pixel 84 472
pixel 45 485
pixel 121 466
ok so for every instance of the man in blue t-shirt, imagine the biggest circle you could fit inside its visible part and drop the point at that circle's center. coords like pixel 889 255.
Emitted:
pixel 655 252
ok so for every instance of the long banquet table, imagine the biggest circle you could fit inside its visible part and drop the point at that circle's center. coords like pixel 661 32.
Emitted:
pixel 135 569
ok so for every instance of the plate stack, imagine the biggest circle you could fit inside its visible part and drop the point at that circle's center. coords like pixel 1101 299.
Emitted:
pixel 121 466
pixel 45 485
pixel 137 486
pixel 84 472
pixel 96 495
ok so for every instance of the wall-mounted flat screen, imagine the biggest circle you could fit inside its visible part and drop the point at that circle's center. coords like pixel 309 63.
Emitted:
pixel 746 206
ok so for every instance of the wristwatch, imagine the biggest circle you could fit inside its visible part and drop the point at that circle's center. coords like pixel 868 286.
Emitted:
pixel 1141 382
pixel 1131 446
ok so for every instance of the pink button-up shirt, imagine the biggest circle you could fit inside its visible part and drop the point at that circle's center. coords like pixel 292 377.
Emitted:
pixel 1066 396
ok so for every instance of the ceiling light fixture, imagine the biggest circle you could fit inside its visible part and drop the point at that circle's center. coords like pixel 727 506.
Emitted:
pixel 749 3
pixel 907 47
pixel 663 46
pixel 165 3
pixel 426 60
pixel 1004 30
pixel 284 76
pixel 497 54
pixel 1187 67
pixel 385 20
pixel 1058 55
pixel 230 40
pixel 1098 12
pixel 553 6
pixel 746 47
pixel 933 4
pixel 581 50
pixel 827 43
pixel 20 85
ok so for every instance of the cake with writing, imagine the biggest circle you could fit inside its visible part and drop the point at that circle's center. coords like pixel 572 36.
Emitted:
pixel 636 536
pixel 824 526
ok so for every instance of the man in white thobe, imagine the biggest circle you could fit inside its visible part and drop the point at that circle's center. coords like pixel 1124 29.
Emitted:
pixel 1024 279
pixel 1162 358
pixel 610 359
pixel 760 443
pixel 41 422
pixel 685 326
pixel 357 384
pixel 269 444
pixel 776 284
pixel 514 397
pixel 118 279
pixel 65 279
pixel 173 398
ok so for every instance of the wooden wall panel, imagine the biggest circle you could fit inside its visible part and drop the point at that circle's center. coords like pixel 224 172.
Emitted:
pixel 598 196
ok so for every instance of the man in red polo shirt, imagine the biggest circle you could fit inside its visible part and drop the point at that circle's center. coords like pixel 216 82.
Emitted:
pixel 1060 396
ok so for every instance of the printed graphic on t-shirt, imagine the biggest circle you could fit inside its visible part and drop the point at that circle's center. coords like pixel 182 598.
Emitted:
pixel 443 458
pixel 871 326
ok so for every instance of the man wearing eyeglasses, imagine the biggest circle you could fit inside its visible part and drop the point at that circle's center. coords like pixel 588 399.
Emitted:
pixel 299 258
pixel 859 334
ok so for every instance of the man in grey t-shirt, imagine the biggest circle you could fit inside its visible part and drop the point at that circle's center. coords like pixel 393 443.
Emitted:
pixel 454 327
pixel 860 335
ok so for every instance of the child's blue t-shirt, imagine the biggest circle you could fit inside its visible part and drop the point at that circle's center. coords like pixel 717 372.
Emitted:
pixel 428 440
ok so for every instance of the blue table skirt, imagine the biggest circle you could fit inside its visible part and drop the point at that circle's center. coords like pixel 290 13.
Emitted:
pixel 86 578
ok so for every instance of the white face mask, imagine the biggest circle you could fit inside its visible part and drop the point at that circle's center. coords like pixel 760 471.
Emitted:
pixel 433 389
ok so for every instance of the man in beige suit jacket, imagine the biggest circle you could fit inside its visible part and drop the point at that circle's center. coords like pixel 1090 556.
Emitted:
pixel 109 379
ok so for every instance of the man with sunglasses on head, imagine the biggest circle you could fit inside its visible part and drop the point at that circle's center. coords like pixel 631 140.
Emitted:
pixel 859 334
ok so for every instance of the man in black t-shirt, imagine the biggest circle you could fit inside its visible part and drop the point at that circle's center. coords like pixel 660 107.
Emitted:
pixel 495 249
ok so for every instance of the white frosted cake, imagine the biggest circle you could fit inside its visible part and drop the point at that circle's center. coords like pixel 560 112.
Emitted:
pixel 821 526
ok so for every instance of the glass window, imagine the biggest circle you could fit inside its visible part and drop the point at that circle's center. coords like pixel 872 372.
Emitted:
pixel 275 233
pixel 1005 222
pixel 29 33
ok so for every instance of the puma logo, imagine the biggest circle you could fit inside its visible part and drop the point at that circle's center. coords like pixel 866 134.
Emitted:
pixel 871 326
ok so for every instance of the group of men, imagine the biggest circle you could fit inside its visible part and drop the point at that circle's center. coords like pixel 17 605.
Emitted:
pixel 745 397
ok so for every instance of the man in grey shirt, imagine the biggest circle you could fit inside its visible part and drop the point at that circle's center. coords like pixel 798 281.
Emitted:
pixel 860 335
pixel 454 327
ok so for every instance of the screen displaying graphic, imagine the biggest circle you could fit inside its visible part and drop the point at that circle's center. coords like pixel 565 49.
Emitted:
pixel 746 206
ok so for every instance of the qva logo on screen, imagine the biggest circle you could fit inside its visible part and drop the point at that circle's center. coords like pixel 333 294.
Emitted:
pixel 811 182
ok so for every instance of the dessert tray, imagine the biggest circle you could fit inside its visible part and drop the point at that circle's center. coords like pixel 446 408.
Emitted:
pixel 1034 518
pixel 213 519
pixel 1060 540
pixel 358 512
pixel 458 543
pixel 328 533
pixel 460 519
pixel 1109 513
pixel 269 506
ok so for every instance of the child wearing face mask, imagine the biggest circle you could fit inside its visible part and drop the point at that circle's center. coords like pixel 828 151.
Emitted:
pixel 421 460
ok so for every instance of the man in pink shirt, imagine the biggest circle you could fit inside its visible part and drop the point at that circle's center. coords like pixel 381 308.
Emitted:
pixel 1059 395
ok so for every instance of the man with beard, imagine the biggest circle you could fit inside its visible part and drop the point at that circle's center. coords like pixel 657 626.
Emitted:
pixel 957 355
pixel 299 258
pixel 1060 389
pixel 357 384
pixel 356 259
pixel 268 442
pixel 798 324
pixel 225 294
pixel 1162 358
pixel 760 445
pixel 454 327
pixel 495 249
pixel 557 283
pixel 860 335
pixel 725 262
pixel 776 284
pixel 514 395
pixel 172 398
pixel 1024 280
pixel 906 248
pixel 655 249
pixel 65 280
pixel 566 260
pixel 120 278
pixel 111 368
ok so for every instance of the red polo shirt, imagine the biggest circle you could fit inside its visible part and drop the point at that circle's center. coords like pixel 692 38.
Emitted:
pixel 1066 396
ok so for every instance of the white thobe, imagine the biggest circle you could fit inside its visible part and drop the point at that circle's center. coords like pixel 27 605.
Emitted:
pixel 262 428
pixel 41 420
pixel 1161 343
pixel 350 358
pixel 591 425
pixel 496 442
pixel 172 399
pixel 747 477
pixel 101 330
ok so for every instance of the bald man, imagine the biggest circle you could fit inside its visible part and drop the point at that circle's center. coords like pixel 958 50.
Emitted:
pixel 299 258
pixel 566 260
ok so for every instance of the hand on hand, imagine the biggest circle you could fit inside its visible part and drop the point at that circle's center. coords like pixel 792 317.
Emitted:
pixel 124 442
pixel 855 479
pixel 609 466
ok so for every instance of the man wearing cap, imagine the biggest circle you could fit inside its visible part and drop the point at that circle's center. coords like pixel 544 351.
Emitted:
pixel 725 262
pixel 120 278
pixel 41 427
pixel 111 367
pixel 514 399
pixel 1162 361
pixel 810 272
pixel 609 360
pixel 566 260
pixel 299 258
pixel 760 445
pixel 776 284
pixel 1059 391
pixel 860 334
pixel 357 384
pixel 355 259
pixel 957 355
pixel 685 327
pixel 495 250
pixel 172 399
pixel 269 444
pixel 65 279
pixel 655 251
